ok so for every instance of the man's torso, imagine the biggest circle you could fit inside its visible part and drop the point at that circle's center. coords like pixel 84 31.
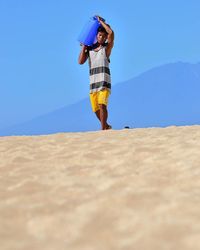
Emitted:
pixel 99 69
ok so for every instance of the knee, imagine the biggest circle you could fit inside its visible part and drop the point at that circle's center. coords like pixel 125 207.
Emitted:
pixel 102 106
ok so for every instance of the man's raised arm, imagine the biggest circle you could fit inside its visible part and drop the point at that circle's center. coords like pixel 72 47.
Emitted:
pixel 110 37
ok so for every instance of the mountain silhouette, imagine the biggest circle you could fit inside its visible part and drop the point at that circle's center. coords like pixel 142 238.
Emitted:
pixel 163 96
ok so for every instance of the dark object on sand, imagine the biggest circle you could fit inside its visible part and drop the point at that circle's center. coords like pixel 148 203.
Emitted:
pixel 126 127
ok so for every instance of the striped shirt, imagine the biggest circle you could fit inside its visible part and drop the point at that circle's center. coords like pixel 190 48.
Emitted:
pixel 99 70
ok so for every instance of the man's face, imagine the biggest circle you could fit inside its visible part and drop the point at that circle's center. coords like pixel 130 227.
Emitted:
pixel 101 37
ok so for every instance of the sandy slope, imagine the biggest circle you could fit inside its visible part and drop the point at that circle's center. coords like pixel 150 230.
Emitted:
pixel 130 189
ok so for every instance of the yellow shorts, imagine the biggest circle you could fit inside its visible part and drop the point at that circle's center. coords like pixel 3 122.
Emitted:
pixel 100 97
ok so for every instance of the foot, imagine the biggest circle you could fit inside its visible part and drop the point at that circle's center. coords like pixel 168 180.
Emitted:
pixel 108 126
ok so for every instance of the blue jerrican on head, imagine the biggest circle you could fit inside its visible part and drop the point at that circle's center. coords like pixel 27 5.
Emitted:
pixel 89 31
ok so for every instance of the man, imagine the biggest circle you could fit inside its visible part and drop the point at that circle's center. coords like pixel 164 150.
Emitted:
pixel 100 82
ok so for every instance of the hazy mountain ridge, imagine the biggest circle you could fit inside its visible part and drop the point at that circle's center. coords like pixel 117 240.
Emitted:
pixel 163 96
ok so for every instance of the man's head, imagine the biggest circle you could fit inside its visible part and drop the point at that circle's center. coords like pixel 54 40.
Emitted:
pixel 101 35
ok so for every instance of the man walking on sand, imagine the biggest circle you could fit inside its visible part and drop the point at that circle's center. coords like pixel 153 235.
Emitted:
pixel 100 82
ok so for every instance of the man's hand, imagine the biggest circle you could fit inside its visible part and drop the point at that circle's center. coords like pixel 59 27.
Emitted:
pixel 83 46
pixel 100 19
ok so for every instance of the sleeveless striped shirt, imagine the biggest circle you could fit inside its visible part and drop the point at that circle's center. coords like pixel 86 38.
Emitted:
pixel 99 70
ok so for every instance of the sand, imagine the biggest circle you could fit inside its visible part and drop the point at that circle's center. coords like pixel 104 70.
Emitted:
pixel 136 189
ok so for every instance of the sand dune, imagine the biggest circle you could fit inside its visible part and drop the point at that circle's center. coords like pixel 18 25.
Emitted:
pixel 136 189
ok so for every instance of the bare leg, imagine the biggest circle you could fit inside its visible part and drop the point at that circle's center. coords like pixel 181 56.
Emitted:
pixel 103 115
pixel 98 116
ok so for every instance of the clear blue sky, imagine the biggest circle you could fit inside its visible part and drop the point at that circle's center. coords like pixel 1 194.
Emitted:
pixel 39 49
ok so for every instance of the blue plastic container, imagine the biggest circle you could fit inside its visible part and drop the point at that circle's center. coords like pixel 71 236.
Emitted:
pixel 89 32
